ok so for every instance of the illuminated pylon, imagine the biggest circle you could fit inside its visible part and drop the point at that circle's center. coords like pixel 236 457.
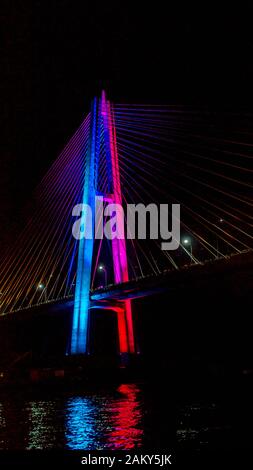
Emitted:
pixel 101 116
pixel 79 333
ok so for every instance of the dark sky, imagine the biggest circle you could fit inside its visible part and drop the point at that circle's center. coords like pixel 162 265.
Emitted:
pixel 55 55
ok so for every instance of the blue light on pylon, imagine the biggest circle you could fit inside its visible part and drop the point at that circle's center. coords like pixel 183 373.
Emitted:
pixel 79 337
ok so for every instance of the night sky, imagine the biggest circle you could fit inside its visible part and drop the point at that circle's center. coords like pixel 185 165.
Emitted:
pixel 56 55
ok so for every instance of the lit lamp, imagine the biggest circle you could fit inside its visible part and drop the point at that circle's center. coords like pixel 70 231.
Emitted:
pixel 188 243
pixel 43 288
pixel 101 267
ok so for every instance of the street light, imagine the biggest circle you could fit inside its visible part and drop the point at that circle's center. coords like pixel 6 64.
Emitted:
pixel 43 289
pixel 101 267
pixel 220 221
pixel 188 242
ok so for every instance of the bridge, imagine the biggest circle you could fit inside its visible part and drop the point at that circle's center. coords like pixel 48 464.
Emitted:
pixel 130 154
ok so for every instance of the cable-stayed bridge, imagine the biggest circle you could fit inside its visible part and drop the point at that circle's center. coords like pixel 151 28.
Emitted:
pixel 132 154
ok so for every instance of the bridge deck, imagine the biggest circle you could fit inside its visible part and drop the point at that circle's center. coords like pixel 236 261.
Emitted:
pixel 237 267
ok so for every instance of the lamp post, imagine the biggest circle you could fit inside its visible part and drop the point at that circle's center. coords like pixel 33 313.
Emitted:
pixel 1 293
pixel 101 267
pixel 220 221
pixel 41 287
pixel 187 241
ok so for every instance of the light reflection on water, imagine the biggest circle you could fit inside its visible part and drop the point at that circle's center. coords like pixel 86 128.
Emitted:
pixel 80 424
pixel 123 417
pixel 41 425
pixel 126 431
pixel 103 420
pixel 92 423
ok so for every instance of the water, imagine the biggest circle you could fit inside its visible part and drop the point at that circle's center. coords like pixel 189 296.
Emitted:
pixel 110 419
pixel 127 416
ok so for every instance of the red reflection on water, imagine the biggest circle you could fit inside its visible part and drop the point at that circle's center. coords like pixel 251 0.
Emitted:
pixel 126 432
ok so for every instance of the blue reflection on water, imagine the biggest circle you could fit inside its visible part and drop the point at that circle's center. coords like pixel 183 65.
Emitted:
pixel 80 424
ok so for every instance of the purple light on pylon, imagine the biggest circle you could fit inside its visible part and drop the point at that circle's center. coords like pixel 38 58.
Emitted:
pixel 125 325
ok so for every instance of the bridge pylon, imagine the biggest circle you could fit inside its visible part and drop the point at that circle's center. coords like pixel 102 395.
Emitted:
pixel 102 120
